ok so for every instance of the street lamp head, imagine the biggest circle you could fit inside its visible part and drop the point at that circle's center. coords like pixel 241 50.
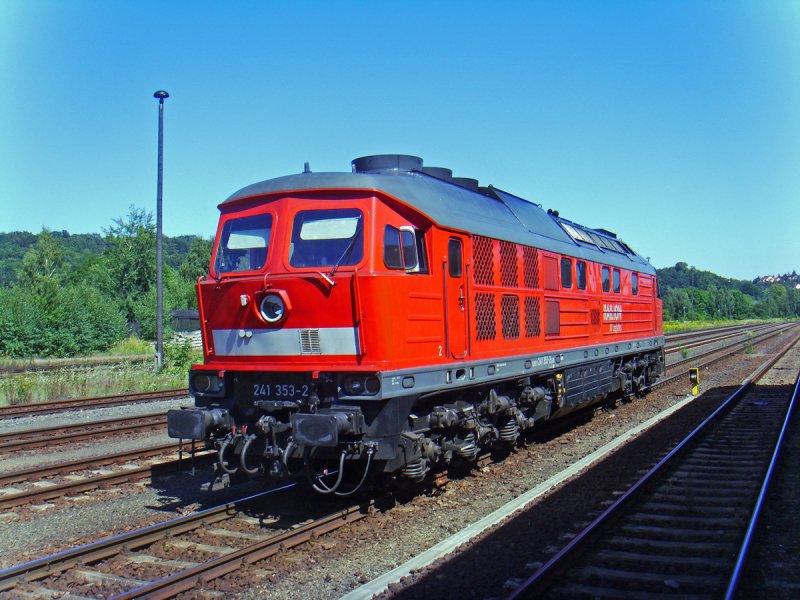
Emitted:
pixel 161 95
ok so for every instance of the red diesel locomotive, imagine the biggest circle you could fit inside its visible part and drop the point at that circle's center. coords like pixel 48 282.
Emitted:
pixel 387 320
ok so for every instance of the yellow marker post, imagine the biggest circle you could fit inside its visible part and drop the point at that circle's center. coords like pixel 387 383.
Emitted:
pixel 694 379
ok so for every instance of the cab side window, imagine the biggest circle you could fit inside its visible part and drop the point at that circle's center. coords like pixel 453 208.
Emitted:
pixel 580 273
pixel 392 253
pixel 404 249
pixel 635 284
pixel 566 273
pixel 617 282
pixel 606 279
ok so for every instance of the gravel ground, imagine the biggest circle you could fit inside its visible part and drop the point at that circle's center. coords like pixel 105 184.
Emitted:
pixel 76 450
pixel 337 563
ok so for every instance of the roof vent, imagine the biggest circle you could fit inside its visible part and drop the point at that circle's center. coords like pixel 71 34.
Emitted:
pixel 387 163
pixel 438 172
pixel 466 182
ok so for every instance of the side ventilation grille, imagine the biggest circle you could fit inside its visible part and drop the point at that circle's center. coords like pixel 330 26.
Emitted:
pixel 508 265
pixel 533 326
pixel 483 258
pixel 509 311
pixel 530 257
pixel 485 328
pixel 309 341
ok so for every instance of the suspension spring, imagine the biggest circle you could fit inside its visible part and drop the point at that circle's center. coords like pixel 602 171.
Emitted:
pixel 510 431
pixel 415 471
pixel 468 448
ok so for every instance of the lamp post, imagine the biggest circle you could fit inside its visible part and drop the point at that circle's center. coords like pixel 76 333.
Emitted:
pixel 161 95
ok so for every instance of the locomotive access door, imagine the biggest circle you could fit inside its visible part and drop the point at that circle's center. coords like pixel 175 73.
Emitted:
pixel 455 300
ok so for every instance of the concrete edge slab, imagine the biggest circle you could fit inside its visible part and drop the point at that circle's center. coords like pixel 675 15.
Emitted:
pixel 446 546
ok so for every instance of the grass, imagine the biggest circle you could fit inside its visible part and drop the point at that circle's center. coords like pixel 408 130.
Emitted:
pixel 131 346
pixel 675 326
pixel 101 380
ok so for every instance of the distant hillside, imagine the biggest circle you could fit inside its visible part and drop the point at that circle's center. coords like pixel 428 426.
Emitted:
pixel 692 294
pixel 77 247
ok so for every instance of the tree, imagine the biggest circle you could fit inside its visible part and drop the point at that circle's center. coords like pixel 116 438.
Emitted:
pixel 777 301
pixel 42 264
pixel 197 259
pixel 131 257
pixel 194 266
pixel 47 315
pixel 144 307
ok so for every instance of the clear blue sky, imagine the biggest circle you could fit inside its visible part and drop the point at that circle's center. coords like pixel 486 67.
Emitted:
pixel 675 124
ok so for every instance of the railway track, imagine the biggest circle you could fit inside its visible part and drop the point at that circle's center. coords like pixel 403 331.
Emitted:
pixel 88 474
pixel 161 561
pixel 682 336
pixel 718 354
pixel 49 436
pixel 678 531
pixel 674 346
pixel 56 406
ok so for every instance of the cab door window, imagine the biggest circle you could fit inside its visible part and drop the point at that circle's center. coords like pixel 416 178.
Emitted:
pixel 454 257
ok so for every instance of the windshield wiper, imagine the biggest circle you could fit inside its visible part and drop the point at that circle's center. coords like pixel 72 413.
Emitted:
pixel 349 250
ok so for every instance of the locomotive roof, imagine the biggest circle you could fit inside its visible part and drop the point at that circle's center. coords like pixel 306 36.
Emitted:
pixel 491 212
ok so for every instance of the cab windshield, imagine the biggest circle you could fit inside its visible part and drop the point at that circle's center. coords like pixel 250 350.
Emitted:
pixel 243 244
pixel 327 238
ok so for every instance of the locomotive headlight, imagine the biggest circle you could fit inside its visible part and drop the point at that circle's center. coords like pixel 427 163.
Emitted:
pixel 353 385
pixel 272 308
pixel 372 385
pixel 205 383
pixel 361 385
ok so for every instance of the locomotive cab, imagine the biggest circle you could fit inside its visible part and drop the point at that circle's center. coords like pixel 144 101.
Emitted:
pixel 286 381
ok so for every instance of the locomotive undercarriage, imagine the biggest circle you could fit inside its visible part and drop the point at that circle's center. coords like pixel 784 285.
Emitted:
pixel 338 445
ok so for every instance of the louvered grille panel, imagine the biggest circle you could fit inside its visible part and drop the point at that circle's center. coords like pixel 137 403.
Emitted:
pixel 509 311
pixel 508 265
pixel 533 327
pixel 594 315
pixel 485 328
pixel 483 259
pixel 309 341
pixel 530 259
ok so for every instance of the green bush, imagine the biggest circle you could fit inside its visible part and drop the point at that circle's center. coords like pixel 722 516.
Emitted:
pixel 67 321
pixel 179 356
